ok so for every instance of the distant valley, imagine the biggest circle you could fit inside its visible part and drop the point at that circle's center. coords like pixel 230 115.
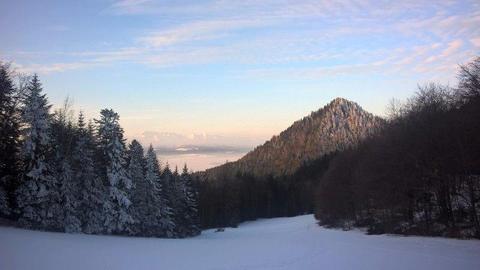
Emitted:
pixel 199 157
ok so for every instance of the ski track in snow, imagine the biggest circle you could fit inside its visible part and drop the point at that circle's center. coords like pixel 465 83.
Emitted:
pixel 280 243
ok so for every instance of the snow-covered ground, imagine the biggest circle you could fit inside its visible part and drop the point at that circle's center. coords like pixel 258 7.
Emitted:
pixel 281 243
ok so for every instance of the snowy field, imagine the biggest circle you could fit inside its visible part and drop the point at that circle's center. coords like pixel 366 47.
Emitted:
pixel 282 243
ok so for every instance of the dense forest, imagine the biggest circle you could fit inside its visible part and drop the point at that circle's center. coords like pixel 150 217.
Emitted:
pixel 63 173
pixel 227 201
pixel 417 174
pixel 420 174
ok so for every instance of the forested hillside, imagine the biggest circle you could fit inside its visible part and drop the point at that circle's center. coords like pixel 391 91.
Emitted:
pixel 420 174
pixel 337 126
pixel 64 173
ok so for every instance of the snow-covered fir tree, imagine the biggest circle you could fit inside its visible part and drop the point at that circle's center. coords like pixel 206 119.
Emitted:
pixel 38 197
pixel 190 203
pixel 63 135
pixel 112 146
pixel 169 193
pixel 9 134
pixel 69 191
pixel 92 191
pixel 136 169
pixel 158 217
pixel 179 202
pixel 186 204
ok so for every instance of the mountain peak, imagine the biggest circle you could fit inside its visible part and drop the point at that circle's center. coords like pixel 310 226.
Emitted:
pixel 342 102
pixel 338 100
pixel 338 125
pixel 338 108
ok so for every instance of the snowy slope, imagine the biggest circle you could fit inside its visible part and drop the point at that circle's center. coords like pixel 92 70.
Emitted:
pixel 282 243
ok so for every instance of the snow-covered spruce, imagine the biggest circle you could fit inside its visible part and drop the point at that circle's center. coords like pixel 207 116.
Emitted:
pixel 188 212
pixel 9 134
pixel 38 197
pixel 161 212
pixel 63 137
pixel 92 189
pixel 136 169
pixel 112 145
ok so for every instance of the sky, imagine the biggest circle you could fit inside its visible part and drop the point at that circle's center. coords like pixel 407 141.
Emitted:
pixel 233 72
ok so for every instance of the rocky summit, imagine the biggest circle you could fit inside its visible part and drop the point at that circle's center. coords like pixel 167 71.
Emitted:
pixel 338 125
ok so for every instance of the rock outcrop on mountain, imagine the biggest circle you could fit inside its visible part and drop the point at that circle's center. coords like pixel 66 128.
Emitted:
pixel 338 125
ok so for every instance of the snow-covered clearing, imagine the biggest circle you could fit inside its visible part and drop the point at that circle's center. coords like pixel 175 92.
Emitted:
pixel 281 243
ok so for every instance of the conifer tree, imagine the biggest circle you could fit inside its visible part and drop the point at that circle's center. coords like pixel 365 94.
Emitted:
pixel 92 191
pixel 162 223
pixel 112 146
pixel 69 191
pixel 169 193
pixel 190 204
pixel 63 135
pixel 136 169
pixel 38 196
pixel 9 134
pixel 180 206
pixel 186 204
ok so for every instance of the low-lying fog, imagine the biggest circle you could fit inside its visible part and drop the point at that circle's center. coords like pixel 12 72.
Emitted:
pixel 198 158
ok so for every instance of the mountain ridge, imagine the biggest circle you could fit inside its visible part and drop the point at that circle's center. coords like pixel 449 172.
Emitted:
pixel 336 126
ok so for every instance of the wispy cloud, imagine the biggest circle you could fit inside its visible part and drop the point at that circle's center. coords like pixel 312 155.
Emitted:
pixel 330 37
pixel 475 41
pixel 130 6
pixel 195 31
pixel 51 68
pixel 452 47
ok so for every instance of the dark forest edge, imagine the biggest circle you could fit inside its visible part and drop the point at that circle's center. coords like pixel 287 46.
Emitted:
pixel 418 175
pixel 58 173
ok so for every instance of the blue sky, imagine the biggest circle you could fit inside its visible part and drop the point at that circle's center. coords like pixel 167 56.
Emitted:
pixel 239 70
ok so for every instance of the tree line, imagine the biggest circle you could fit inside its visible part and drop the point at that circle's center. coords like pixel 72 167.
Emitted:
pixel 58 173
pixel 418 174
pixel 227 201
